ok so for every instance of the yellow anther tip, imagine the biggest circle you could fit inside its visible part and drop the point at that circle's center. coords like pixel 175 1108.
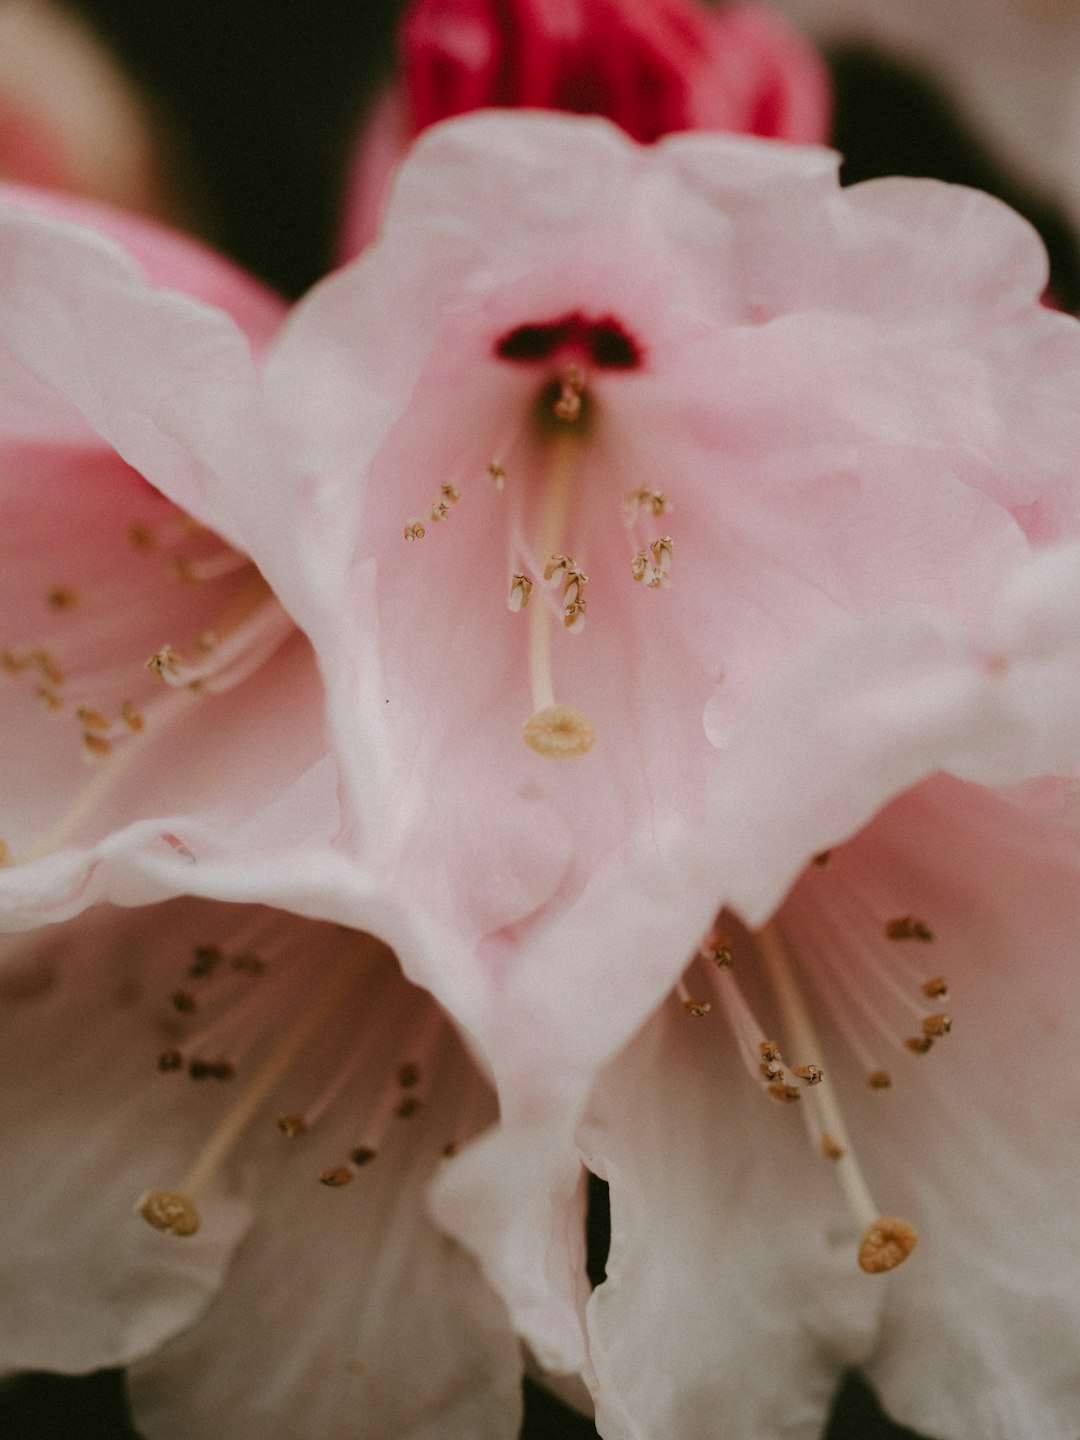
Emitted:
pixel 558 731
pixel 885 1244
pixel 169 1212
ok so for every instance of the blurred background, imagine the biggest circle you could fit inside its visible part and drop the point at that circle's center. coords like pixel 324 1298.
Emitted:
pixel 249 111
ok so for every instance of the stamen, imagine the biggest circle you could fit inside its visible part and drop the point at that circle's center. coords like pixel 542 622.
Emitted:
pixel 520 589
pixel 936 989
pixel 414 530
pixel 654 501
pixel 176 1212
pixel 879 1080
pixel 885 1242
pixel 496 474
pixel 937 1025
pixel 908 927
pixel 63 597
pixel 554 730
pixel 690 1003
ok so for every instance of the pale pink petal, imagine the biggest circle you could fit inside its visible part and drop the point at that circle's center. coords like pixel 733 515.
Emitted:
pixel 86 1284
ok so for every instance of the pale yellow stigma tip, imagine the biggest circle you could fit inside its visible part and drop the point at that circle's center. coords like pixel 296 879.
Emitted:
pixel 169 1212
pixel 558 731
pixel 885 1244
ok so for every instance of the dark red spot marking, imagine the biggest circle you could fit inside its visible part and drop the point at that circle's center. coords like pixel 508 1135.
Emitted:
pixel 605 342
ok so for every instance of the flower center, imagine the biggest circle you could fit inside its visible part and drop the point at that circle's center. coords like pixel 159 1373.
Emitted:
pixel 87 668
pixel 886 1241
pixel 560 424
pixel 320 1037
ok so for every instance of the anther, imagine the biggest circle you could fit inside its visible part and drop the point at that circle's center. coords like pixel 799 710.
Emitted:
pixel 822 857
pixel 132 717
pixel 831 1147
pixel 568 406
pixel 48 699
pixel 879 1080
pixel 655 501
pixel 141 537
pixel 170 1060
pixel 783 1094
pixel 362 1155
pixel 168 1211
pixel 206 960
pixel 908 927
pixel 935 1026
pixel 698 1008
pixel 660 550
pixel 717 949
pixel 47 667
pixel 164 662
pixel 918 1044
pixel 520 590
pixel 936 989
pixel 574 616
pixel 450 493
pixel 496 474
pixel 559 732
pixel 63 597
pixel 5 853
pixel 809 1074
pixel 95 747
pixel 885 1244
pixel 414 530
pixel 249 964
pixel 184 1001
pixel 408 1075
pixel 408 1107
pixel 439 511
pixel 340 1175
pixel 292 1125
pixel 92 719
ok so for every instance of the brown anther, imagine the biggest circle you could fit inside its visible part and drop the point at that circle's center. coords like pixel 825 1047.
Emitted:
pixel 822 857
pixel 48 699
pixel 770 1052
pixel 784 1094
pixel 408 1075
pixel 879 1080
pixel 132 717
pixel 809 1074
pixel 47 667
pixel 92 719
pixel 95 747
pixel 223 1070
pixel 770 1070
pixel 363 1155
pixel 918 1044
pixel 207 643
pixel 450 493
pixel 698 1008
pixel 559 732
pixel 170 1060
pixel 439 511
pixel 169 1212
pixel 520 589
pixel 450 1149
pixel 184 1001
pixel 206 960
pixel 936 989
pixel 292 1125
pixel 717 948
pixel 414 530
pixel 340 1175
pixel 908 927
pixel 142 537
pixel 496 474
pixel 574 616
pixel 885 1244
pixel 408 1107
pixel 935 1026
pixel 164 662
pixel 831 1147
pixel 199 1069
pixel 639 565
pixel 181 570
pixel 63 597
pixel 568 406
pixel 13 664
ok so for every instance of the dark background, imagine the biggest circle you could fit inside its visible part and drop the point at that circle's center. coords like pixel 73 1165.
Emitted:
pixel 261 108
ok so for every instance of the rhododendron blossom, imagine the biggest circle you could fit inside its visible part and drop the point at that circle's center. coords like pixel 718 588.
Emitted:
pixel 158 1047
pixel 658 515
pixel 146 670
pixel 653 69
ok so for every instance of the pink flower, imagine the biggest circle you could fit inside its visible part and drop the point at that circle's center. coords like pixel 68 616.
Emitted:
pixel 653 69
pixel 150 1049
pixel 810 454
pixel 149 681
